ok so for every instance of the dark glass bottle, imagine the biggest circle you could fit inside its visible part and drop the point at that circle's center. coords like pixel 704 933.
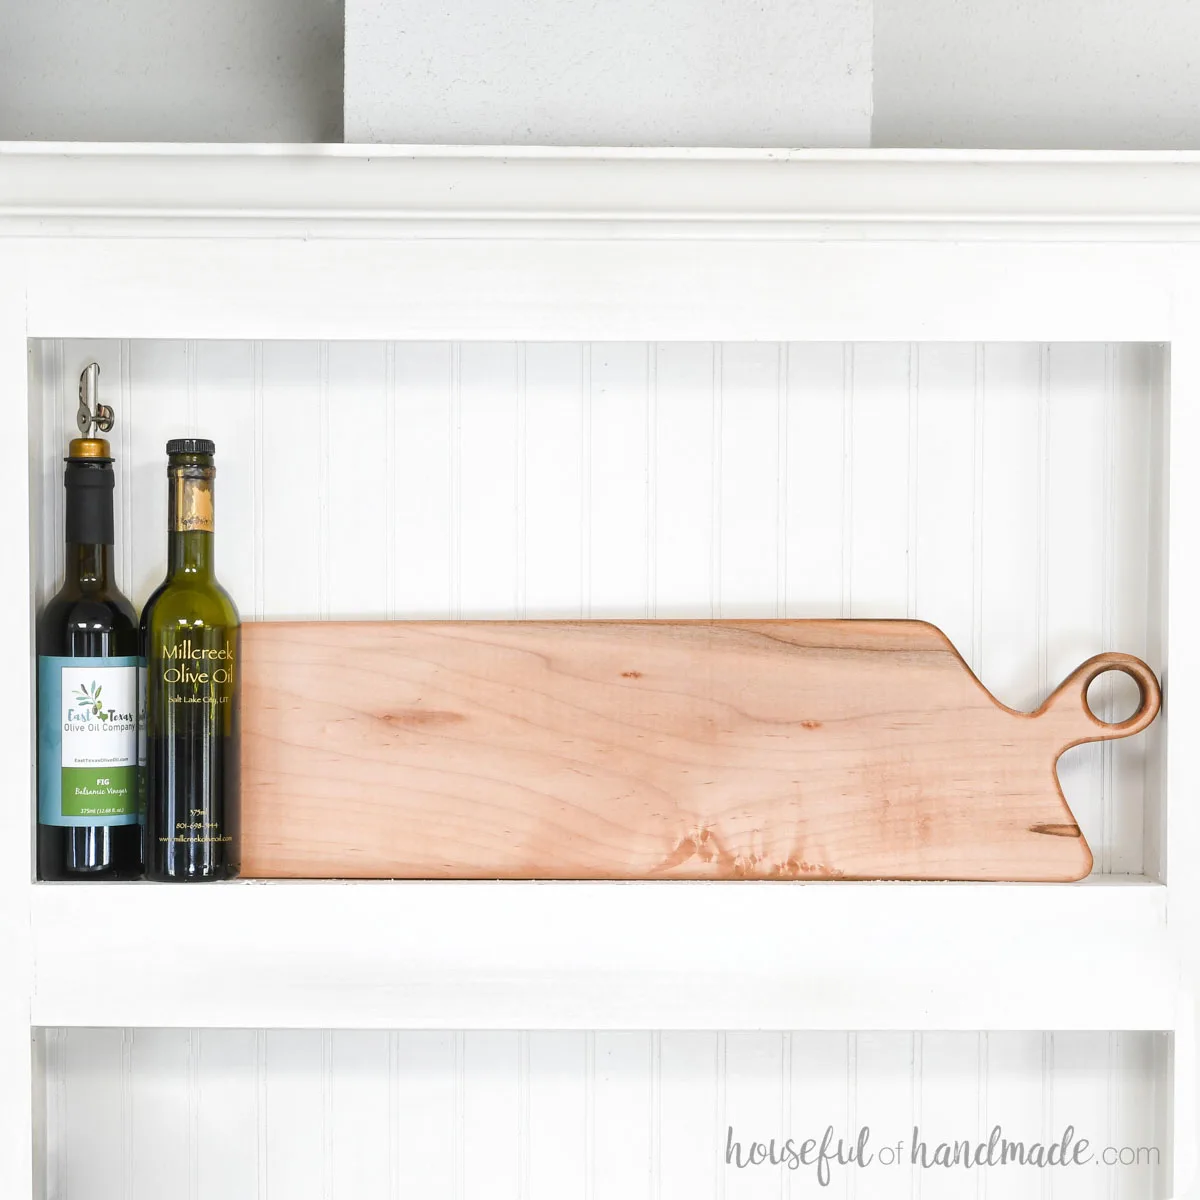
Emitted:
pixel 87 645
pixel 191 643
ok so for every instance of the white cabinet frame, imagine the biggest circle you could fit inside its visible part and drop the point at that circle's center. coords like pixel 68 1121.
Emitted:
pixel 357 243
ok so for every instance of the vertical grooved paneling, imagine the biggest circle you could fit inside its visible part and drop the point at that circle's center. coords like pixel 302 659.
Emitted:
pixel 193 1112
pixel 393 1115
pixel 292 583
pixel 523 1115
pixel 821 1097
pixel 688 1135
pixel 427 1116
pixel 816 467
pixel 162 1102
pixel 556 1130
pixel 521 599
pixel 589 1116
pixel 651 479
pixel 296 1116
pixel 262 1116
pixel 618 517
pixel 322 530
pixel 356 1115
pixel 487 480
pixel 460 1115
pixel 127 1142
pixel 883 1101
pixel 424 456
pixel 979 432
pixel 360 1116
pixel 552 479
pixel 718 475
pixel 684 480
pixel 847 505
pixel 721 1125
pixel 455 364
pixel 327 1157
pixel 357 523
pixel 227 1121
pixel 947 1072
pixel 622 1116
pixel 389 478
pixel 754 1097
pixel 879 549
pixel 585 482
pixel 749 498
pixel 491 1121
pixel 258 475
pixel 913 540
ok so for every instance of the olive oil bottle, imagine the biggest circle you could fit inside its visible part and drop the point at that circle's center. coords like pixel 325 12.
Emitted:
pixel 87 646
pixel 191 644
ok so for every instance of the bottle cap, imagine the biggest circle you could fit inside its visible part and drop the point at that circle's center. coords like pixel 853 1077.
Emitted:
pixel 89 448
pixel 191 446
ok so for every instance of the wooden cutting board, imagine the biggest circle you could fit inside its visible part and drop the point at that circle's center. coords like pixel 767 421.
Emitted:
pixel 653 750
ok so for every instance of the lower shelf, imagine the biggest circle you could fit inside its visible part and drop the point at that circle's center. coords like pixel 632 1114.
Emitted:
pixel 1093 956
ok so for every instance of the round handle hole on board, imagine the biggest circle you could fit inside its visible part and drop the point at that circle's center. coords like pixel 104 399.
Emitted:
pixel 1114 696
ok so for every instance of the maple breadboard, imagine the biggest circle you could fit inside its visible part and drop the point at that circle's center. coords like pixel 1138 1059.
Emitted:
pixel 653 750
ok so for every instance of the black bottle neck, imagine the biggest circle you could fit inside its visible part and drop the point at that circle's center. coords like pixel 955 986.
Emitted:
pixel 89 522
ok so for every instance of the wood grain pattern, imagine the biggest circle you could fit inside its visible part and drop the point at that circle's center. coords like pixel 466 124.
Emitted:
pixel 653 749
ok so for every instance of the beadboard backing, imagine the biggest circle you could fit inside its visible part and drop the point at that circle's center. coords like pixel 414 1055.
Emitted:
pixel 308 1115
pixel 1010 493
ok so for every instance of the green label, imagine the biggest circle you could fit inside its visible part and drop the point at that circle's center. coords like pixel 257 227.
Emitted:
pixel 88 792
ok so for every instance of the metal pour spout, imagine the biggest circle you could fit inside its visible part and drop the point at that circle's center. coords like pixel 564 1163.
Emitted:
pixel 92 414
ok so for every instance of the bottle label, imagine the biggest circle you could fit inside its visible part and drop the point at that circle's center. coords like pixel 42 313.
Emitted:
pixel 87 741
pixel 192 507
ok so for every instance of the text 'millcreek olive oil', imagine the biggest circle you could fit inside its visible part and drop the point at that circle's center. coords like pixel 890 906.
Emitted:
pixel 191 641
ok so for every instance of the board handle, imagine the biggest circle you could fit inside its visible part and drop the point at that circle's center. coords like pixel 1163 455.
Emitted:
pixel 1070 716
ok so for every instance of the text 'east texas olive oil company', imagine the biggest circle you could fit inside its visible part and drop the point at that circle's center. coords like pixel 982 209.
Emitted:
pixel 138 728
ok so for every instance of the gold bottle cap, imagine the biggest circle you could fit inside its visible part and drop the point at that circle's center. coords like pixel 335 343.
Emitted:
pixel 88 448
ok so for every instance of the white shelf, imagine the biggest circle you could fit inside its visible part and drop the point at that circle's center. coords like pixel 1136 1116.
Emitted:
pixel 606 955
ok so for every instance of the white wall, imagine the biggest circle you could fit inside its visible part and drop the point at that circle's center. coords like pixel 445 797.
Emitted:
pixel 619 73
pixel 1109 74
pixel 171 70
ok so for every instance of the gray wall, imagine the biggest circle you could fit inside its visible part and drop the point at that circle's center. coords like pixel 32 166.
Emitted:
pixel 1055 74
pixel 1035 73
pixel 171 70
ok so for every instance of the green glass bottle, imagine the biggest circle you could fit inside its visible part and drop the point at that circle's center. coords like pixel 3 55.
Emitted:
pixel 191 644
pixel 87 644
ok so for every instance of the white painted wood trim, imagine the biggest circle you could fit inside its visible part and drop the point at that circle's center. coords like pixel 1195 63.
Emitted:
pixel 608 956
pixel 69 190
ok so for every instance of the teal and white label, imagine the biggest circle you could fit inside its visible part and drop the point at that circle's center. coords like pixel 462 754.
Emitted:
pixel 87 741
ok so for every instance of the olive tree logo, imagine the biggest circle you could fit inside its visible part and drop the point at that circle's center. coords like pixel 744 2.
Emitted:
pixel 88 698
